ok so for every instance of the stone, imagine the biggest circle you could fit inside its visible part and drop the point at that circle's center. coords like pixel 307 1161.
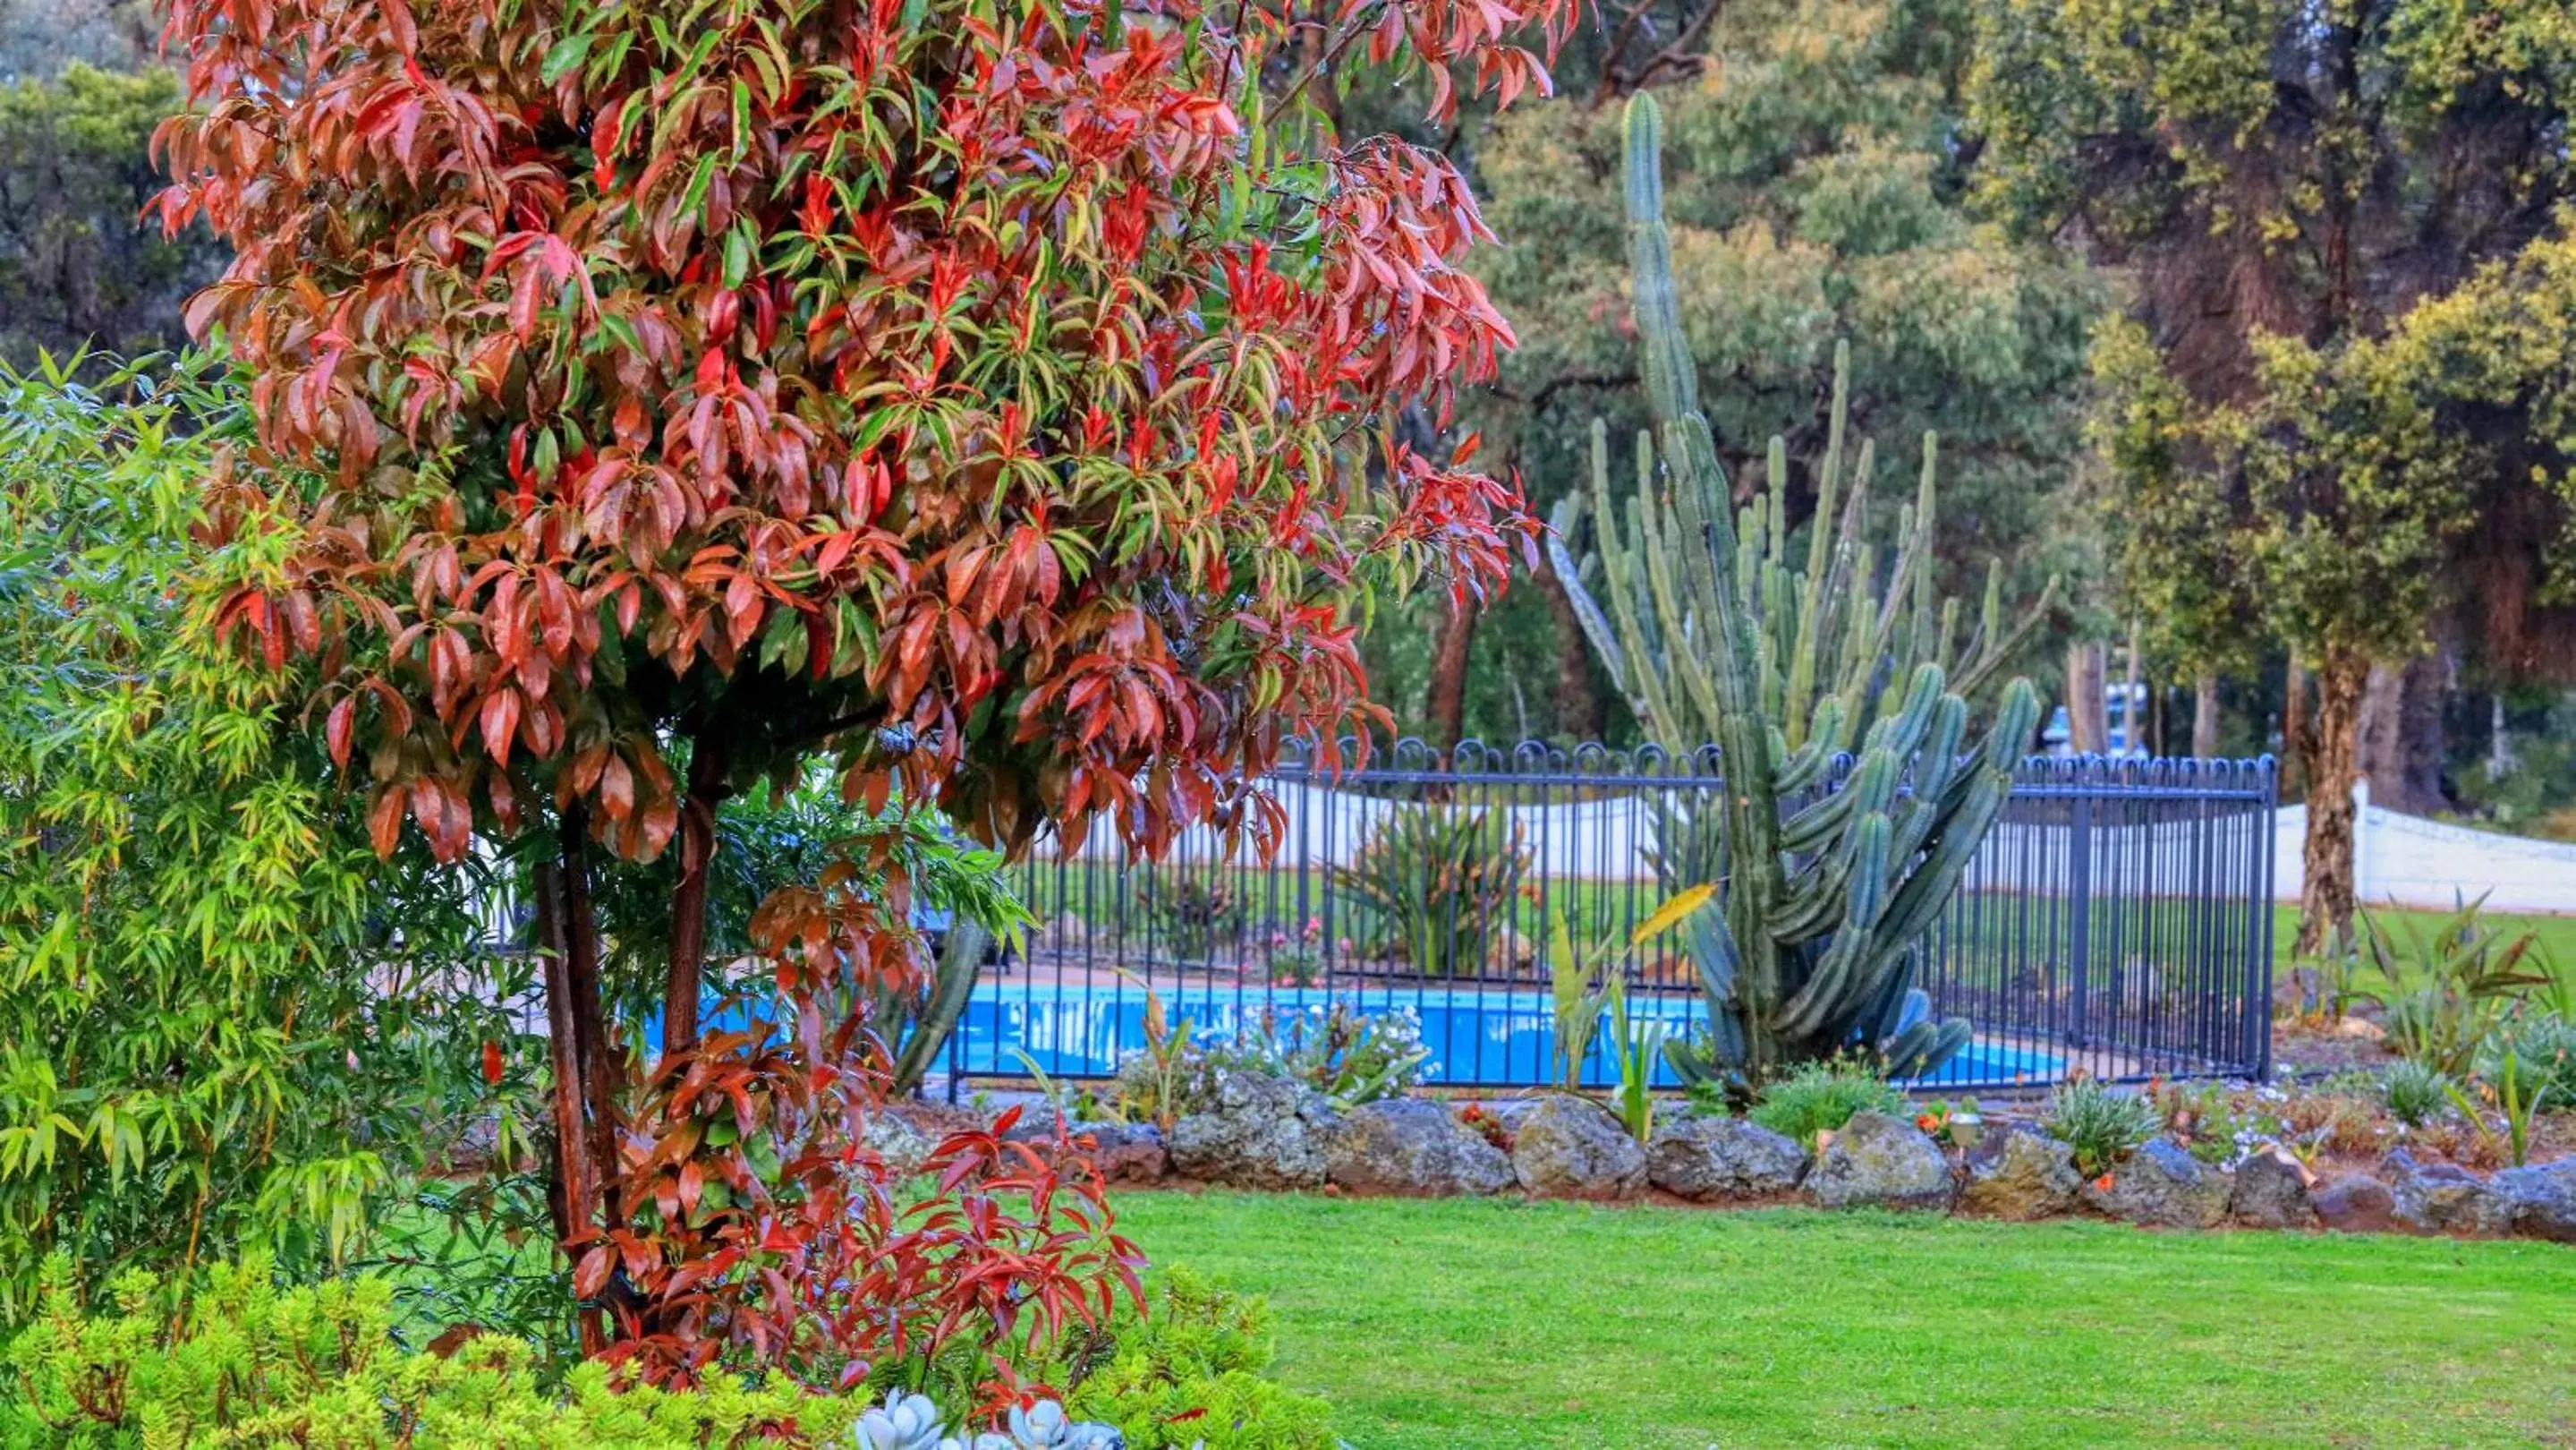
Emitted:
pixel 1261 1132
pixel 1876 1161
pixel 2271 1192
pixel 898 1140
pixel 2354 1203
pixel 2161 1186
pixel 2021 1173
pixel 1571 1147
pixel 2443 1198
pixel 2543 1198
pixel 1413 1148
pixel 1720 1158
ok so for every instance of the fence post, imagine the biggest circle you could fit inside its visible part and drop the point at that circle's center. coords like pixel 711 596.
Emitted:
pixel 2079 914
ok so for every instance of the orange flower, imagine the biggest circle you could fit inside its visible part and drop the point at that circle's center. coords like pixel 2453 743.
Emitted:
pixel 2103 1183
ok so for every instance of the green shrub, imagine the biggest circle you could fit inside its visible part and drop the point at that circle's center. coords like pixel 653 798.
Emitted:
pixel 2459 983
pixel 2101 1124
pixel 1191 1373
pixel 1435 885
pixel 1822 1096
pixel 212 1037
pixel 247 1362
pixel 2416 1094
pixel 2543 1045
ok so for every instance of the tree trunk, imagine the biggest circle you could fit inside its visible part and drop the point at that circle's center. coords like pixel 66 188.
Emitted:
pixel 2401 735
pixel 1446 704
pixel 2130 735
pixel 575 1170
pixel 689 901
pixel 2088 724
pixel 2500 760
pixel 2204 718
pixel 2298 739
pixel 2326 898
pixel 1578 705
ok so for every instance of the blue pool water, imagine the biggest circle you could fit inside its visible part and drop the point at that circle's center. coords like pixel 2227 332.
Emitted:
pixel 1491 1038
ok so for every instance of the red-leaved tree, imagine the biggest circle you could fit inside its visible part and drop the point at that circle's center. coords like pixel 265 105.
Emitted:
pixel 997 396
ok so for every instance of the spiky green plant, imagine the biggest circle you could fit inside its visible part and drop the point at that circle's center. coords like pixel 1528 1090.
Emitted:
pixel 1435 885
pixel 1715 634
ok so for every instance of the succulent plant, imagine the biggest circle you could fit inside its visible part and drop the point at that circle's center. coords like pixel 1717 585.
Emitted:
pixel 1716 634
pixel 903 1422
pixel 912 1422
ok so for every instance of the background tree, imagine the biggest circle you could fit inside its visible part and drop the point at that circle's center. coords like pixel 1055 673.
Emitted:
pixel 1814 186
pixel 78 265
pixel 2285 187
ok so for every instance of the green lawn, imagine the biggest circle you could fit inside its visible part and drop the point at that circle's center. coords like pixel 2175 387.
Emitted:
pixel 2556 934
pixel 1479 1325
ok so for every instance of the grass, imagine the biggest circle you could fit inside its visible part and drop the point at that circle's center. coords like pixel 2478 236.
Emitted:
pixel 1469 1324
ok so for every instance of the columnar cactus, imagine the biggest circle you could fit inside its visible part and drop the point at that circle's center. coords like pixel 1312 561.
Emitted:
pixel 1715 635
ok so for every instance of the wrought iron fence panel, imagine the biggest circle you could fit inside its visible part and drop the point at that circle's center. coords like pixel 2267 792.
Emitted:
pixel 2116 919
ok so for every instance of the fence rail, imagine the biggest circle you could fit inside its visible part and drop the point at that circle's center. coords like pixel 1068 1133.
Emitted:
pixel 2116 919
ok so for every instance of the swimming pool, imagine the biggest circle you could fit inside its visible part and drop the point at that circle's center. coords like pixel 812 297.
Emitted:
pixel 1488 1038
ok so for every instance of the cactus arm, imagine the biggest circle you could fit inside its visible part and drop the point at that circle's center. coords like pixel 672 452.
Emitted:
pixel 1999 654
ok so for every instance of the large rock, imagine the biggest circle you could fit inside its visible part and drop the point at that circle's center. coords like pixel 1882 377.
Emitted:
pixel 2162 1186
pixel 896 1138
pixel 1881 1162
pixel 2271 1192
pixel 2543 1198
pixel 2442 1198
pixel 1721 1158
pixel 1123 1152
pixel 1571 1147
pixel 2021 1173
pixel 2355 1203
pixel 1262 1132
pixel 1413 1148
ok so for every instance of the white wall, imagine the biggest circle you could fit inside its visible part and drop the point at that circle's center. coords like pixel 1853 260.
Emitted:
pixel 2415 862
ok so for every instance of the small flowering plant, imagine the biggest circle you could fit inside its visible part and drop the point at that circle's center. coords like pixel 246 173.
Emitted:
pixel 1298 960
pixel 1951 1125
pixel 1487 1124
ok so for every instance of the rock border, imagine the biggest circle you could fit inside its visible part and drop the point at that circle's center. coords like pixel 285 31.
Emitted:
pixel 1273 1135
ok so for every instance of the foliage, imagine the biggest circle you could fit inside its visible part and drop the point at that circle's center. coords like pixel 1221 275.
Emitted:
pixel 2514 1095
pixel 2543 1044
pixel 79 269
pixel 1157 1081
pixel 2102 1124
pixel 2328 982
pixel 1189 1374
pixel 755 1227
pixel 2463 976
pixel 2416 1094
pixel 246 1361
pixel 704 408
pixel 1819 1097
pixel 1583 980
pixel 224 1026
pixel 1436 885
pixel 1193 916
pixel 1635 1046
pixel 1349 1056
pixel 1716 635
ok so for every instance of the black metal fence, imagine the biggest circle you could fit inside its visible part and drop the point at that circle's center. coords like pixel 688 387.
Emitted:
pixel 2116 920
